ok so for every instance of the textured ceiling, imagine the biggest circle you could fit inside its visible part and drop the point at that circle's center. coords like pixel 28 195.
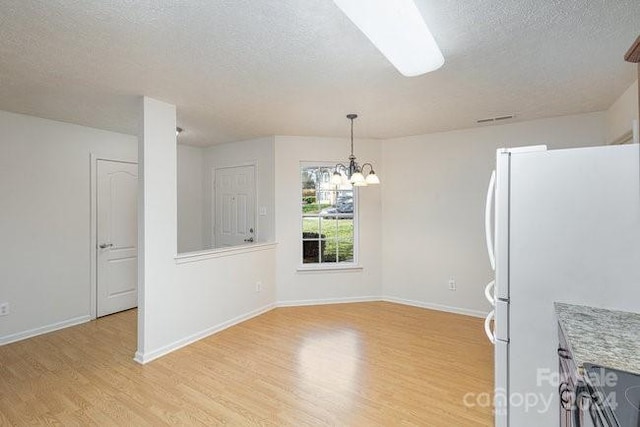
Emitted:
pixel 238 69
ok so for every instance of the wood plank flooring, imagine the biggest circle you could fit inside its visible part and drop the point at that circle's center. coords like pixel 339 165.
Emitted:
pixel 364 364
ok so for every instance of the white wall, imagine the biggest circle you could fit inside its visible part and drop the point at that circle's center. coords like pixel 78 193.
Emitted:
pixel 190 198
pixel 45 220
pixel 420 227
pixel 295 286
pixel 622 113
pixel 182 300
pixel 433 199
pixel 256 151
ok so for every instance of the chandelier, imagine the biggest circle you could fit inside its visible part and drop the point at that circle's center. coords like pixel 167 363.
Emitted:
pixel 354 173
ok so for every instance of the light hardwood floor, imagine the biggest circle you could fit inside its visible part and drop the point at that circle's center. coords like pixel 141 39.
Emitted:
pixel 363 364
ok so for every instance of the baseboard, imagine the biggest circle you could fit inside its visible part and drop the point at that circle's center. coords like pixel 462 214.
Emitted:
pixel 43 330
pixel 324 301
pixel 438 307
pixel 143 358
pixel 430 306
pixel 139 357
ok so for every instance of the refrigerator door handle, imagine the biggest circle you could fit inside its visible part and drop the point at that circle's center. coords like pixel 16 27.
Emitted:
pixel 487 326
pixel 488 292
pixel 488 229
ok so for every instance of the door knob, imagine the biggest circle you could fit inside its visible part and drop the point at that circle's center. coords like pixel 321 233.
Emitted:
pixel 106 245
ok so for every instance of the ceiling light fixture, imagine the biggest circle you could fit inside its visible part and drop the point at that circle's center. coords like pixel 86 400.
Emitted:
pixel 178 131
pixel 354 172
pixel 397 29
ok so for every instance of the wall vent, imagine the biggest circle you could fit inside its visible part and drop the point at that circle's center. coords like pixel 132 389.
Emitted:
pixel 496 119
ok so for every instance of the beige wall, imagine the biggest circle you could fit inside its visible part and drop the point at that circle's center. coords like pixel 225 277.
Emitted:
pixel 422 226
pixel 622 113
pixel 433 199
pixel 190 198
pixel 45 193
pixel 323 286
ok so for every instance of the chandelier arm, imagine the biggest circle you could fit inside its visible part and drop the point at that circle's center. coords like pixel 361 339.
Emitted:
pixel 370 167
pixel 340 166
pixel 353 166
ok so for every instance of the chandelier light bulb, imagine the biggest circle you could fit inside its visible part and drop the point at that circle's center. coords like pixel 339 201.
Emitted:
pixel 372 178
pixel 336 178
pixel 357 179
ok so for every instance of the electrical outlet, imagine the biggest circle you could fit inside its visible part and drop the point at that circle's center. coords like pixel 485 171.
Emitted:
pixel 4 309
pixel 452 284
pixel 258 286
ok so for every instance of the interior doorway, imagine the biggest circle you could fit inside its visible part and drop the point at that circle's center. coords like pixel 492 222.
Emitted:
pixel 234 206
pixel 116 236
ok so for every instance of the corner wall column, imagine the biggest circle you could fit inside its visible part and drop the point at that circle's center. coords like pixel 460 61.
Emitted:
pixel 157 216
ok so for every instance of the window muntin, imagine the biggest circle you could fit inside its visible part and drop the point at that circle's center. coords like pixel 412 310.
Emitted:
pixel 328 218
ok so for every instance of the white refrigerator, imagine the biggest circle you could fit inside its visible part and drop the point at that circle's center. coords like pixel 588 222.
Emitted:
pixel 562 225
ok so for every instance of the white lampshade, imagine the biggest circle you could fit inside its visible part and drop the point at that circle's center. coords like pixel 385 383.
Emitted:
pixel 357 178
pixel 372 178
pixel 336 178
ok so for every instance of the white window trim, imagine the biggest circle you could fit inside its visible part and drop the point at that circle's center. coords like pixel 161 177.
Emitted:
pixel 324 268
pixel 331 267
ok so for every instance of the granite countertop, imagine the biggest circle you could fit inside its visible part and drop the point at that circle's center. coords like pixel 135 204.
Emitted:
pixel 602 337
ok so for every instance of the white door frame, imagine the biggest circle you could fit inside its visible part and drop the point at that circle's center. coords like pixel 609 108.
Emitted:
pixel 256 229
pixel 93 243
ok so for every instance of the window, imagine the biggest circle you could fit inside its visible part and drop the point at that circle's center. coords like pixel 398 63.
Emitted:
pixel 328 218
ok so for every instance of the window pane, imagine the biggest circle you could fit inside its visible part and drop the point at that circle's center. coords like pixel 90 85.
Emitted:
pixel 345 251
pixel 329 232
pixel 310 251
pixel 329 227
pixel 310 225
pixel 325 200
pixel 345 229
pixel 309 191
pixel 310 203
pixel 344 202
pixel 329 253
pixel 308 175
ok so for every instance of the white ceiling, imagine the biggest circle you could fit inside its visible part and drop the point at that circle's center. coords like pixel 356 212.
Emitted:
pixel 238 69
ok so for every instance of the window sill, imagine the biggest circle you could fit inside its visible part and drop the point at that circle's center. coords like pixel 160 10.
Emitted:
pixel 222 252
pixel 328 269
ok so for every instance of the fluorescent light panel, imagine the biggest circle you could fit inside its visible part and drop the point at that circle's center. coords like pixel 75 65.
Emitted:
pixel 397 29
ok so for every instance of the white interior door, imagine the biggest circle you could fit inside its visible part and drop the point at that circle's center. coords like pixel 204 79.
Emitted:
pixel 234 206
pixel 117 236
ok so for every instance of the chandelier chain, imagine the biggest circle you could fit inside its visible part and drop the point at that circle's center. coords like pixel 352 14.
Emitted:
pixel 354 172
